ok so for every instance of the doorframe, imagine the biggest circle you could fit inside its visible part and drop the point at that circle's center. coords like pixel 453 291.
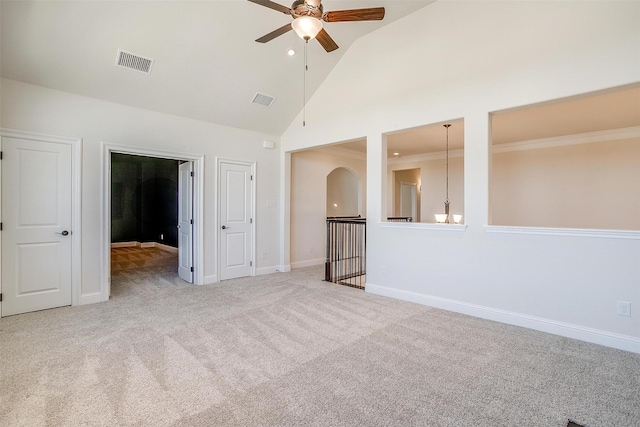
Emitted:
pixel 220 160
pixel 414 199
pixel 198 208
pixel 76 204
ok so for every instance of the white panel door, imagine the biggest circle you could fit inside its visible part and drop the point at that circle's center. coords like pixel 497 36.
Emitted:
pixel 36 218
pixel 236 237
pixel 185 221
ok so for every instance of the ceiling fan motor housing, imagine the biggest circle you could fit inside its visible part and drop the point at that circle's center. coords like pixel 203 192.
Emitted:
pixel 303 8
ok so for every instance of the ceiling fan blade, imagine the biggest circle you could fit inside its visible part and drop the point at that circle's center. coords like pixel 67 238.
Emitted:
pixel 370 14
pixel 275 33
pixel 326 41
pixel 272 5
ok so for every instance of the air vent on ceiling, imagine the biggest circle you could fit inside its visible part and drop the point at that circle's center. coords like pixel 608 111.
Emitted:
pixel 262 99
pixel 134 62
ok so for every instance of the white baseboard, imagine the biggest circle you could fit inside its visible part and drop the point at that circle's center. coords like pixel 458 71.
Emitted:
pixel 144 245
pixel 596 336
pixel 125 244
pixel 308 263
pixel 166 247
pixel 266 270
pixel 92 298
pixel 284 268
pixel 208 280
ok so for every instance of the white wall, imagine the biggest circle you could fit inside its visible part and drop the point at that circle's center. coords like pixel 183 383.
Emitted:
pixel 467 59
pixel 594 185
pixel 37 109
pixel 309 170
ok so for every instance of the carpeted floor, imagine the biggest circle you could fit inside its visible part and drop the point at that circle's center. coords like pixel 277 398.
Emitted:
pixel 292 350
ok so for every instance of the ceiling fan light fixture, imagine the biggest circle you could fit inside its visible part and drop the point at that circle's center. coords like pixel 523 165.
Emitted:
pixel 306 27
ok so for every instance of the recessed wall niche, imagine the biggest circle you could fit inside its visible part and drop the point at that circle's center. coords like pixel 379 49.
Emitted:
pixel 570 163
pixel 418 173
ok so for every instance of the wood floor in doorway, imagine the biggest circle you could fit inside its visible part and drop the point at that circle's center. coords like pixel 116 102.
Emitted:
pixel 143 271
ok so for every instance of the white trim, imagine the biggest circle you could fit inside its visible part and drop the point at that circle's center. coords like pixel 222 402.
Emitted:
pixel 424 226
pixel 308 263
pixel 91 298
pixel 254 251
pixel 533 144
pixel 76 203
pixel 266 270
pixel 426 157
pixel 208 280
pixel 610 339
pixel 198 210
pixel 165 247
pixel 571 232
pixel 144 245
pixel 284 268
pixel 125 245
pixel 559 141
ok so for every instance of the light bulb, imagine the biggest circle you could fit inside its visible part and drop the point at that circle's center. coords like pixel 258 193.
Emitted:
pixel 307 27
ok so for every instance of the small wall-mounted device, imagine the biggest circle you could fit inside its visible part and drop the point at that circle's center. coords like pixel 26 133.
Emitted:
pixel 269 144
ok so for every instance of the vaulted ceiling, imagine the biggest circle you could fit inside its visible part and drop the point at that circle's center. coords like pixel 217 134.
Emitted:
pixel 207 64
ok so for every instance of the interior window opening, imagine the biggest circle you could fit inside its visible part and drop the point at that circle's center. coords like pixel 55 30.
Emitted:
pixel 569 163
pixel 425 174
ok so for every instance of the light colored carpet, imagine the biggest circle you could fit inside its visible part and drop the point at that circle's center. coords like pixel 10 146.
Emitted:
pixel 292 350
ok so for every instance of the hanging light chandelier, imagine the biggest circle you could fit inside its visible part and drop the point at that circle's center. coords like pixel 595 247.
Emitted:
pixel 445 217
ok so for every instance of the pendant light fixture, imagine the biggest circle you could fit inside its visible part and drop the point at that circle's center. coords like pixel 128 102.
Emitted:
pixel 444 218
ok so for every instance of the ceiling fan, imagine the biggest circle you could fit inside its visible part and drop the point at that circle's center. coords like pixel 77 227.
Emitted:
pixel 308 16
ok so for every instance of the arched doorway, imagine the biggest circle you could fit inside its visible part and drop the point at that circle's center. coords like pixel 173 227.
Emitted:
pixel 343 193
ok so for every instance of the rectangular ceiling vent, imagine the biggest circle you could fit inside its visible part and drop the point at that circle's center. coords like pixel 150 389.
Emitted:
pixel 262 99
pixel 134 62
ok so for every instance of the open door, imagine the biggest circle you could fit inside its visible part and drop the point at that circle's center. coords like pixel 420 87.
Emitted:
pixel 185 221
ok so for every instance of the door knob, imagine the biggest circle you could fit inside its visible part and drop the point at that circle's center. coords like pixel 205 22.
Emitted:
pixel 64 233
pixel 224 227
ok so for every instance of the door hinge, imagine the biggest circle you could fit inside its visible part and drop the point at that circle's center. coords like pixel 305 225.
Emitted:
pixel 191 173
pixel 0 297
pixel 0 155
pixel 192 269
pixel 251 177
pixel 0 226
pixel 250 263
pixel 251 221
pixel 191 221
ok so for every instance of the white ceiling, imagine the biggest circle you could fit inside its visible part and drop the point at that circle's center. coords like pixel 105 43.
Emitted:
pixel 207 64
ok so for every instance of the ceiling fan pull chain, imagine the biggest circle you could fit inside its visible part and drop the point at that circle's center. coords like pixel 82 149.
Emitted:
pixel 304 84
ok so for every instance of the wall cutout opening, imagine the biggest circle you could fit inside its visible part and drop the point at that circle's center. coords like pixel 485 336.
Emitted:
pixel 570 163
pixel 313 197
pixel 420 170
